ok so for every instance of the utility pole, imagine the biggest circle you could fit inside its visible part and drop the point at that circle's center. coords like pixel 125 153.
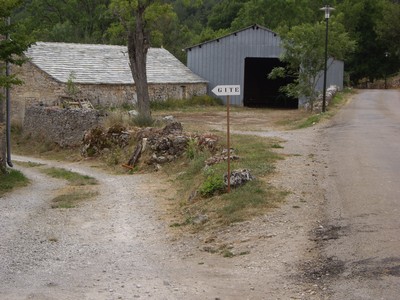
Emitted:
pixel 327 9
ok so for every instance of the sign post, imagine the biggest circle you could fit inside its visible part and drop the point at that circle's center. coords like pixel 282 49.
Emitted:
pixel 227 90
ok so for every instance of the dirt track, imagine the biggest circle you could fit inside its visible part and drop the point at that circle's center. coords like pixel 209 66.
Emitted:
pixel 120 245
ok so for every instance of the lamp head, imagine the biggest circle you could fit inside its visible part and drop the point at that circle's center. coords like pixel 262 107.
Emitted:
pixel 327 9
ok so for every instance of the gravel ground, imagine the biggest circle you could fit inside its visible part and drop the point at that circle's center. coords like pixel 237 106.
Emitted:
pixel 120 245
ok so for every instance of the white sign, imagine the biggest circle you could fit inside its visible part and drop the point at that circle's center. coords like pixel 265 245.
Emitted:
pixel 226 90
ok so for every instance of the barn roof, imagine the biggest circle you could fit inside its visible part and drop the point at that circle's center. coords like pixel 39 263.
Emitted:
pixel 105 64
pixel 254 26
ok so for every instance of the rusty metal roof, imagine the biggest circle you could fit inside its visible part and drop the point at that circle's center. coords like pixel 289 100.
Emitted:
pixel 105 64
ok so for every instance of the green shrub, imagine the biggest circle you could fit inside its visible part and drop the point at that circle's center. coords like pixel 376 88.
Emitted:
pixel 213 184
pixel 191 149
pixel 143 121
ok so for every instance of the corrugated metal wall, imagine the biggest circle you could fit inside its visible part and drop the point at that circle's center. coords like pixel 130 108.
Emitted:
pixel 221 61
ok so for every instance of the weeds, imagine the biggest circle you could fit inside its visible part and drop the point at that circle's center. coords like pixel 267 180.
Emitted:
pixel 243 202
pixel 12 180
pixel 143 121
pixel 73 178
pixel 171 104
pixel 69 200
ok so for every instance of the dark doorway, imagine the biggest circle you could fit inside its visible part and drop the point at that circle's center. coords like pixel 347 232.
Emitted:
pixel 259 90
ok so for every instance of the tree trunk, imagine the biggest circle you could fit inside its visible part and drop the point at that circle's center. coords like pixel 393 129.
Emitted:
pixel 138 45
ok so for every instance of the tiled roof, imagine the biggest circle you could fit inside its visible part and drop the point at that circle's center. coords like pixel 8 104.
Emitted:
pixel 106 64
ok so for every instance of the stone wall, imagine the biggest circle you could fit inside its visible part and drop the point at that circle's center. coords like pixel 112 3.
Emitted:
pixel 39 87
pixel 65 127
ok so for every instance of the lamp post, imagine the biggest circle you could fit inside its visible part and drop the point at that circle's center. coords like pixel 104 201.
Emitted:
pixel 327 9
pixel 386 63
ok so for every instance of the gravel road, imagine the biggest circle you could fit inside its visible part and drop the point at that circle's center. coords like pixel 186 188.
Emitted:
pixel 120 245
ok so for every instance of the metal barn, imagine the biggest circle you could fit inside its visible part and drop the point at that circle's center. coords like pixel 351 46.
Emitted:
pixel 245 58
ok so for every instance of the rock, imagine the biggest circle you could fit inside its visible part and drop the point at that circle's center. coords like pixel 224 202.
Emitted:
pixel 238 177
pixel 133 113
pixel 200 219
pixel 169 119
pixel 173 128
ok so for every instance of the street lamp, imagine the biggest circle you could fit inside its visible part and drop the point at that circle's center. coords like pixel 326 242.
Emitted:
pixel 386 63
pixel 327 9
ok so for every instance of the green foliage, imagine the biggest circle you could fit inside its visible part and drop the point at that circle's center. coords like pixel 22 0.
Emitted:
pixel 213 184
pixel 276 13
pixel 304 54
pixel 11 49
pixel 373 24
pixel 12 180
pixel 191 149
pixel 65 21
pixel 72 90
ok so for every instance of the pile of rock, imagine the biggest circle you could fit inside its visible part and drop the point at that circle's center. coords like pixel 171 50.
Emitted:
pixel 160 146
pixel 330 93
pixel 98 139
pixel 220 157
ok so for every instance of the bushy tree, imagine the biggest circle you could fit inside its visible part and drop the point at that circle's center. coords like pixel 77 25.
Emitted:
pixel 361 19
pixel 11 51
pixel 304 54
pixel 66 21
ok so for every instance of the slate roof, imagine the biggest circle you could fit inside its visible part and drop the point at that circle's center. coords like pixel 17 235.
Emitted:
pixel 106 64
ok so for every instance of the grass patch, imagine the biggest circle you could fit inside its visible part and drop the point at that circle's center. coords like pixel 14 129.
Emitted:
pixel 70 200
pixel 250 200
pixel 12 180
pixel 73 178
pixel 311 119
pixel 202 190
pixel 196 101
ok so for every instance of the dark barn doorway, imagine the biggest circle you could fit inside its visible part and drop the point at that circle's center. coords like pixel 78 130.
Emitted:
pixel 259 90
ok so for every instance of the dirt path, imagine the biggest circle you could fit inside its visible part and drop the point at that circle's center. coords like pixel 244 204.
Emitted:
pixel 119 246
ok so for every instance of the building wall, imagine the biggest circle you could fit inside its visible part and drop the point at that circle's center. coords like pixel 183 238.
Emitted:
pixel 64 127
pixel 39 87
pixel 221 62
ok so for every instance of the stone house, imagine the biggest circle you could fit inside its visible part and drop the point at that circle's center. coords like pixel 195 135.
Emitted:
pixel 96 73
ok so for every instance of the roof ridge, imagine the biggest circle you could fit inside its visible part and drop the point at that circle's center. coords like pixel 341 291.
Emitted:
pixel 254 26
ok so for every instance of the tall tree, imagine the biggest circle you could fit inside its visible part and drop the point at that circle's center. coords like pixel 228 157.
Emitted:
pixel 139 20
pixel 276 13
pixel 360 18
pixel 388 31
pixel 11 51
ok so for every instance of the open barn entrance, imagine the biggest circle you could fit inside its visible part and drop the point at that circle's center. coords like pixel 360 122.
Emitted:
pixel 259 90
